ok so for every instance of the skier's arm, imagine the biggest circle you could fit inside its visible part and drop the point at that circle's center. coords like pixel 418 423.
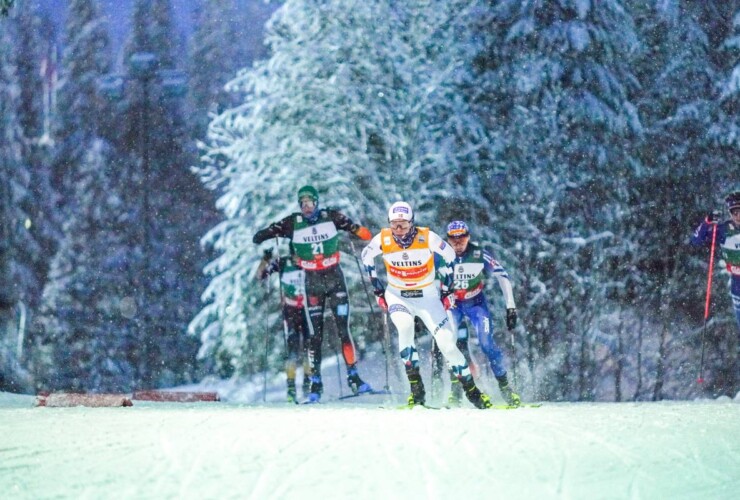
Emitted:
pixel 345 224
pixel 444 261
pixel 282 228
pixel 703 233
pixel 493 268
pixel 369 253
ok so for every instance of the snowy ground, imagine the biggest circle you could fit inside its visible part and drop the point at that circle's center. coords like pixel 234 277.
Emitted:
pixel 356 449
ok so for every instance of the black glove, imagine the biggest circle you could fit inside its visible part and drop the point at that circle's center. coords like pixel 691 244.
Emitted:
pixel 511 318
pixel 267 255
pixel 712 217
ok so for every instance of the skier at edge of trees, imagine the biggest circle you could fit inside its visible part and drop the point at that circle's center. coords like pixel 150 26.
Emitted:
pixel 411 255
pixel 314 242
pixel 728 239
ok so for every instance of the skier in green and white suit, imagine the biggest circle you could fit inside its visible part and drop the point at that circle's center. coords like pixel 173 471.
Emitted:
pixel 314 242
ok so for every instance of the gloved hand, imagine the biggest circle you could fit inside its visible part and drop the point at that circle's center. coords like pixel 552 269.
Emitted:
pixel 712 217
pixel 511 318
pixel 363 233
pixel 267 255
pixel 448 300
pixel 380 299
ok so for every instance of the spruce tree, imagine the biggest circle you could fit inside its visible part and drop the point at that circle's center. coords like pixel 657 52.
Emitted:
pixel 15 275
pixel 362 99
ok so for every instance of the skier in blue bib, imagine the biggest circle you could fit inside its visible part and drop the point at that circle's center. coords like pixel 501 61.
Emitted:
pixel 728 240
pixel 472 265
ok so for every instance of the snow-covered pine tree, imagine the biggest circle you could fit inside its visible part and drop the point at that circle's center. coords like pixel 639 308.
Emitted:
pixel 673 67
pixel 82 116
pixel 226 39
pixel 556 85
pixel 91 337
pixel 33 46
pixel 15 276
pixel 724 20
pixel 362 99
pixel 171 207
pixel 80 322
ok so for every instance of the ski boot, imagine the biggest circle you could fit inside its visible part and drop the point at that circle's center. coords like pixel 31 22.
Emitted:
pixel 317 388
pixel 418 394
pixel 306 386
pixel 512 398
pixel 479 399
pixel 356 385
pixel 454 400
pixel 292 397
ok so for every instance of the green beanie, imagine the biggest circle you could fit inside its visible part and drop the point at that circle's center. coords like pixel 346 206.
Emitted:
pixel 308 191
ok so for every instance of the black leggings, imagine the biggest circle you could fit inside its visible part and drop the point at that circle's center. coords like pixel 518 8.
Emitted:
pixel 296 328
pixel 328 289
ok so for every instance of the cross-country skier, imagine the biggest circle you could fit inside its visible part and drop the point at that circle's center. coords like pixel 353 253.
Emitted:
pixel 728 239
pixel 314 241
pixel 411 256
pixel 295 324
pixel 471 267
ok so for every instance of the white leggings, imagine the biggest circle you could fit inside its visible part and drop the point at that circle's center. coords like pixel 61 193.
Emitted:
pixel 404 305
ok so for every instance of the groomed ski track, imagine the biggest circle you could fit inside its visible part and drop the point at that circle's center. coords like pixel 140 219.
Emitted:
pixel 354 449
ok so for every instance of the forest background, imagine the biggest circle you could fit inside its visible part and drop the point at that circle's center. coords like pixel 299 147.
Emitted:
pixel 582 141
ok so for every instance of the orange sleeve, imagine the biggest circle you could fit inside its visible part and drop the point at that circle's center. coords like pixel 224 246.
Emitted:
pixel 363 233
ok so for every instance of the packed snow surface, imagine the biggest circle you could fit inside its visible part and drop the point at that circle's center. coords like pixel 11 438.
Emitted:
pixel 356 449
pixel 255 445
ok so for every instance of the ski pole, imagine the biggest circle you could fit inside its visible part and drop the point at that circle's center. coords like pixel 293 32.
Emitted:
pixel 386 348
pixel 267 343
pixel 700 378
pixel 372 312
pixel 432 358
pixel 339 371
pixel 512 347
pixel 282 298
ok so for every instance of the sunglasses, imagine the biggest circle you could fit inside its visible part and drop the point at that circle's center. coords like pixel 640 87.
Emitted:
pixel 458 237
pixel 400 225
pixel 735 211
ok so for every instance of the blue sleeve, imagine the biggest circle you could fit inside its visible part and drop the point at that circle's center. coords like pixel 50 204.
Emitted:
pixel 703 234
pixel 699 237
pixel 491 267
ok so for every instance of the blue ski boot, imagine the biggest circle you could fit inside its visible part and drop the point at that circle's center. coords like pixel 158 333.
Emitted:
pixel 356 385
pixel 316 389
